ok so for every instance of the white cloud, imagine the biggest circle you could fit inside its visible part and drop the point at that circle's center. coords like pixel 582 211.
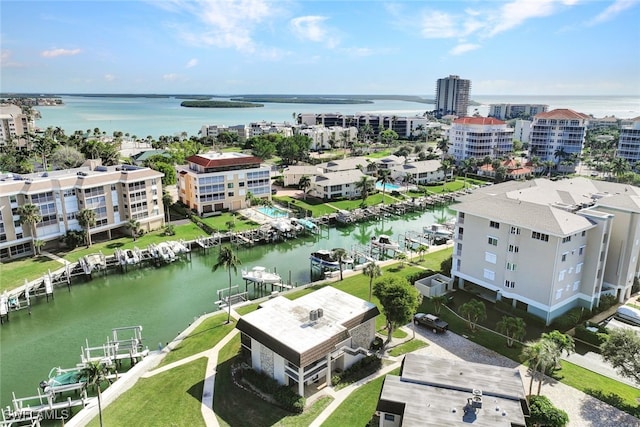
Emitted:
pixel 191 63
pixel 439 25
pixel 613 10
pixel 109 77
pixel 515 13
pixel 171 77
pixel 226 24
pixel 464 48
pixel 53 53
pixel 359 51
pixel 313 28
pixel 6 60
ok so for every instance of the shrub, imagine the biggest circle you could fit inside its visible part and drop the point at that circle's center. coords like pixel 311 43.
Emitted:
pixel 282 394
pixel 544 413
pixel 413 278
pixel 377 344
pixel 635 288
pixel 362 368
pixel 594 338
pixel 606 302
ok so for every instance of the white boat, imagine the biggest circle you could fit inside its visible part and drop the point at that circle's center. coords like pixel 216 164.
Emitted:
pixel 325 258
pixel 344 217
pixel 283 225
pixel 438 230
pixel 165 252
pixel 61 380
pixel 131 257
pixel 383 241
pixel 260 275
pixel 178 247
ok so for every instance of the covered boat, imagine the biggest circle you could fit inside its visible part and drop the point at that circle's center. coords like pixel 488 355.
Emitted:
pixel 260 275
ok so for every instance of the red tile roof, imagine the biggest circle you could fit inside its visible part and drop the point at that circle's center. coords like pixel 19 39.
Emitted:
pixel 478 121
pixel 211 163
pixel 562 113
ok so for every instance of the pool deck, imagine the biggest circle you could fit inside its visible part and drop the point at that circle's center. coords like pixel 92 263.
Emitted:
pixel 256 216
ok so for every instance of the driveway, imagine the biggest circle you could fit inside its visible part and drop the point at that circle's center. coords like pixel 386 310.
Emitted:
pixel 583 410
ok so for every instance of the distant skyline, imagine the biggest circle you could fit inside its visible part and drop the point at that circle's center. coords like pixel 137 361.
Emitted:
pixel 519 47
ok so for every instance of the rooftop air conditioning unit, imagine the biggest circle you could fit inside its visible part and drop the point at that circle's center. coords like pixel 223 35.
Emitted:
pixel 313 315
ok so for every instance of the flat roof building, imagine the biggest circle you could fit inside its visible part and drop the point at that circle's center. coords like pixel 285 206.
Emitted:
pixel 303 340
pixel 436 392
pixel 452 96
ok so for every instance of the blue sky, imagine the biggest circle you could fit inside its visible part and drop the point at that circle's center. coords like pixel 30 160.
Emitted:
pixel 520 47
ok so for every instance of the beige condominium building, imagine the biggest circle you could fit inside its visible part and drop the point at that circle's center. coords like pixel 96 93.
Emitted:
pixel 479 137
pixel 116 194
pixel 547 247
pixel 14 125
pixel 220 182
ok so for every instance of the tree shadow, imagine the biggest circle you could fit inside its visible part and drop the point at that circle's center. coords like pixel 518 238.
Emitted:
pixel 115 245
pixel 615 401
pixel 196 390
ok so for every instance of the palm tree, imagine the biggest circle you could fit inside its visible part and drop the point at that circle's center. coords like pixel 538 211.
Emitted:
pixel 340 254
pixel 228 260
pixel 30 214
pixel 422 249
pixel 538 355
pixel 474 310
pixel 446 165
pixel 304 184
pixel 95 373
pixel 133 226
pixel 443 146
pixel 513 327
pixel 167 201
pixel 371 270
pixel 384 177
pixel 560 154
pixel 438 301
pixel 365 186
pixel 87 219
pixel 408 179
pixel 620 166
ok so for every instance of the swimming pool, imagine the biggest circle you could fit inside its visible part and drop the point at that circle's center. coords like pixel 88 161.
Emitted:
pixel 387 187
pixel 272 212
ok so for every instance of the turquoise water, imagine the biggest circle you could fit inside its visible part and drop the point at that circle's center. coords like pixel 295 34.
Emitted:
pixel 272 212
pixel 387 186
pixel 163 300
pixel 164 116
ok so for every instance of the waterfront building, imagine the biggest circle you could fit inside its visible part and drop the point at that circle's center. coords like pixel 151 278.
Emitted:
pixel 434 392
pixel 14 125
pixel 548 246
pixel 116 194
pixel 404 126
pixel 324 138
pixel 292 174
pixel 421 172
pixel 336 185
pixel 267 128
pixel 558 135
pixel 513 111
pixel 298 342
pixel 629 141
pixel 604 122
pixel 350 163
pixel 522 131
pixel 479 137
pixel 243 131
pixel 452 96
pixel 219 182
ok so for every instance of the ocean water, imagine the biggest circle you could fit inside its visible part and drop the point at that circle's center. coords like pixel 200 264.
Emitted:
pixel 144 117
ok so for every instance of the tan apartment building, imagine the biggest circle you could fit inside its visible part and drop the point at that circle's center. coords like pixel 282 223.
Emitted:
pixel 560 130
pixel 547 247
pixel 116 194
pixel 220 182
pixel 14 125
pixel 479 137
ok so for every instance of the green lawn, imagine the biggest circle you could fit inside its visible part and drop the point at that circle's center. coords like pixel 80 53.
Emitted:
pixel 246 309
pixel 13 273
pixel 618 394
pixel 219 222
pixel 149 402
pixel 204 337
pixel 407 347
pixel 358 408
pixel 310 414
pixel 313 205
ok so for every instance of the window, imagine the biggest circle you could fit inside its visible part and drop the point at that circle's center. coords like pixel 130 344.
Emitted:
pixel 389 417
pixel 579 268
pixel 566 239
pixel 493 241
pixel 494 224
pixel 584 233
pixel 564 256
pixel 230 185
pixel 559 294
pixel 581 250
pixel 515 230
pixel 561 275
pixel 539 236
pixel 489 257
pixel 230 194
pixel 509 284
pixel 513 248
pixel 511 266
pixel 488 274
pixel 576 285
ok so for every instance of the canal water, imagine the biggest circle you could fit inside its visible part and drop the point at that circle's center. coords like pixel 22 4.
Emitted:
pixel 163 300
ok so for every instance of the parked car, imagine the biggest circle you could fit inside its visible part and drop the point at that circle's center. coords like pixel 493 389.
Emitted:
pixel 431 321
